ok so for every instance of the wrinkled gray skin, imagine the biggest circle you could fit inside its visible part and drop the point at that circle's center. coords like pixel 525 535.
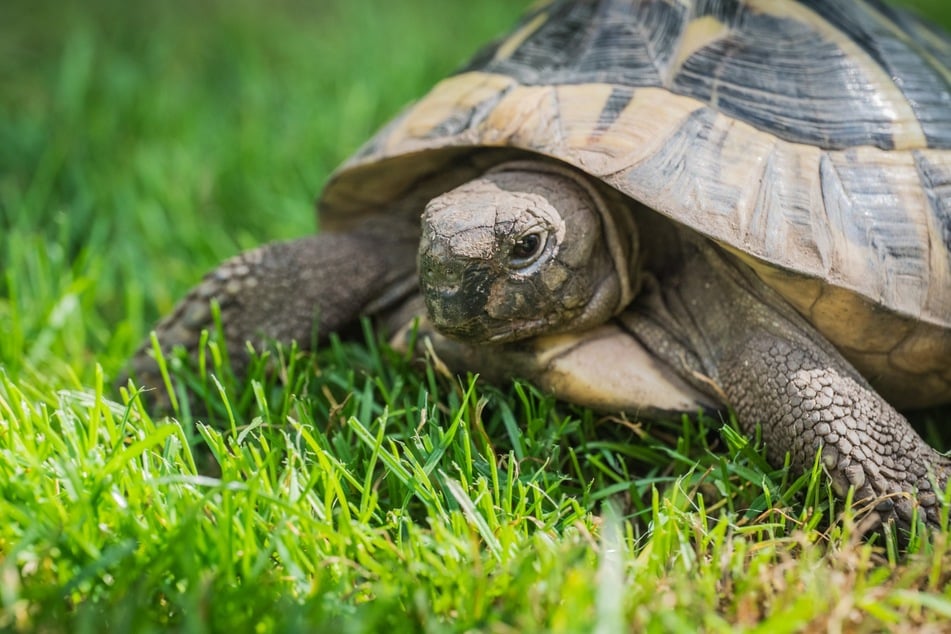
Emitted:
pixel 530 250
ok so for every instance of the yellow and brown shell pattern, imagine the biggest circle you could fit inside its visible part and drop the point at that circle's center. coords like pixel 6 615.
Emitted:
pixel 812 139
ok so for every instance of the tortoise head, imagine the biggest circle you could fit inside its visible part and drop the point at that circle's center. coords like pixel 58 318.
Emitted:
pixel 528 249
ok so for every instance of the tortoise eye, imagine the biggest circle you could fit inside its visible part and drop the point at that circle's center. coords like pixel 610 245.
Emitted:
pixel 527 247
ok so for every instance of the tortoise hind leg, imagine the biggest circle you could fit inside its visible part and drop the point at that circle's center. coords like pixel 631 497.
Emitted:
pixel 288 291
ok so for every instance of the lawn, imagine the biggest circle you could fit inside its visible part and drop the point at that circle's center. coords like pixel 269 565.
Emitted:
pixel 141 144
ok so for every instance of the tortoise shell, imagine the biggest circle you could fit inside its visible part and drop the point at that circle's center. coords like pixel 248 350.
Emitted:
pixel 812 139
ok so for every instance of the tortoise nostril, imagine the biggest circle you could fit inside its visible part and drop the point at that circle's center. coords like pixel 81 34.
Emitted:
pixel 435 272
pixel 446 293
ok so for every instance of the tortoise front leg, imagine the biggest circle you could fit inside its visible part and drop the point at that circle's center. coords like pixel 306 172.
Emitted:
pixel 725 330
pixel 808 401
pixel 288 292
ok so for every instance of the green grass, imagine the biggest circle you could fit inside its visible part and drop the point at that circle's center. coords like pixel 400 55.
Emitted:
pixel 139 147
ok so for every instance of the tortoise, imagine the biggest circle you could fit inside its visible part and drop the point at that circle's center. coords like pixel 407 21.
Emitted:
pixel 657 206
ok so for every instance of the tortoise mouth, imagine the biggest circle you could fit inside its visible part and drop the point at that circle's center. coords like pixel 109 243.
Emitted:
pixel 464 302
pixel 476 328
pixel 520 330
pixel 459 311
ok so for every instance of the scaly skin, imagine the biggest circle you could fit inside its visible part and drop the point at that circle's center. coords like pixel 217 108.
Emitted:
pixel 775 370
pixel 804 402
pixel 298 291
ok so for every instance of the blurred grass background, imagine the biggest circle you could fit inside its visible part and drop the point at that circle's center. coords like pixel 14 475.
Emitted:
pixel 142 143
